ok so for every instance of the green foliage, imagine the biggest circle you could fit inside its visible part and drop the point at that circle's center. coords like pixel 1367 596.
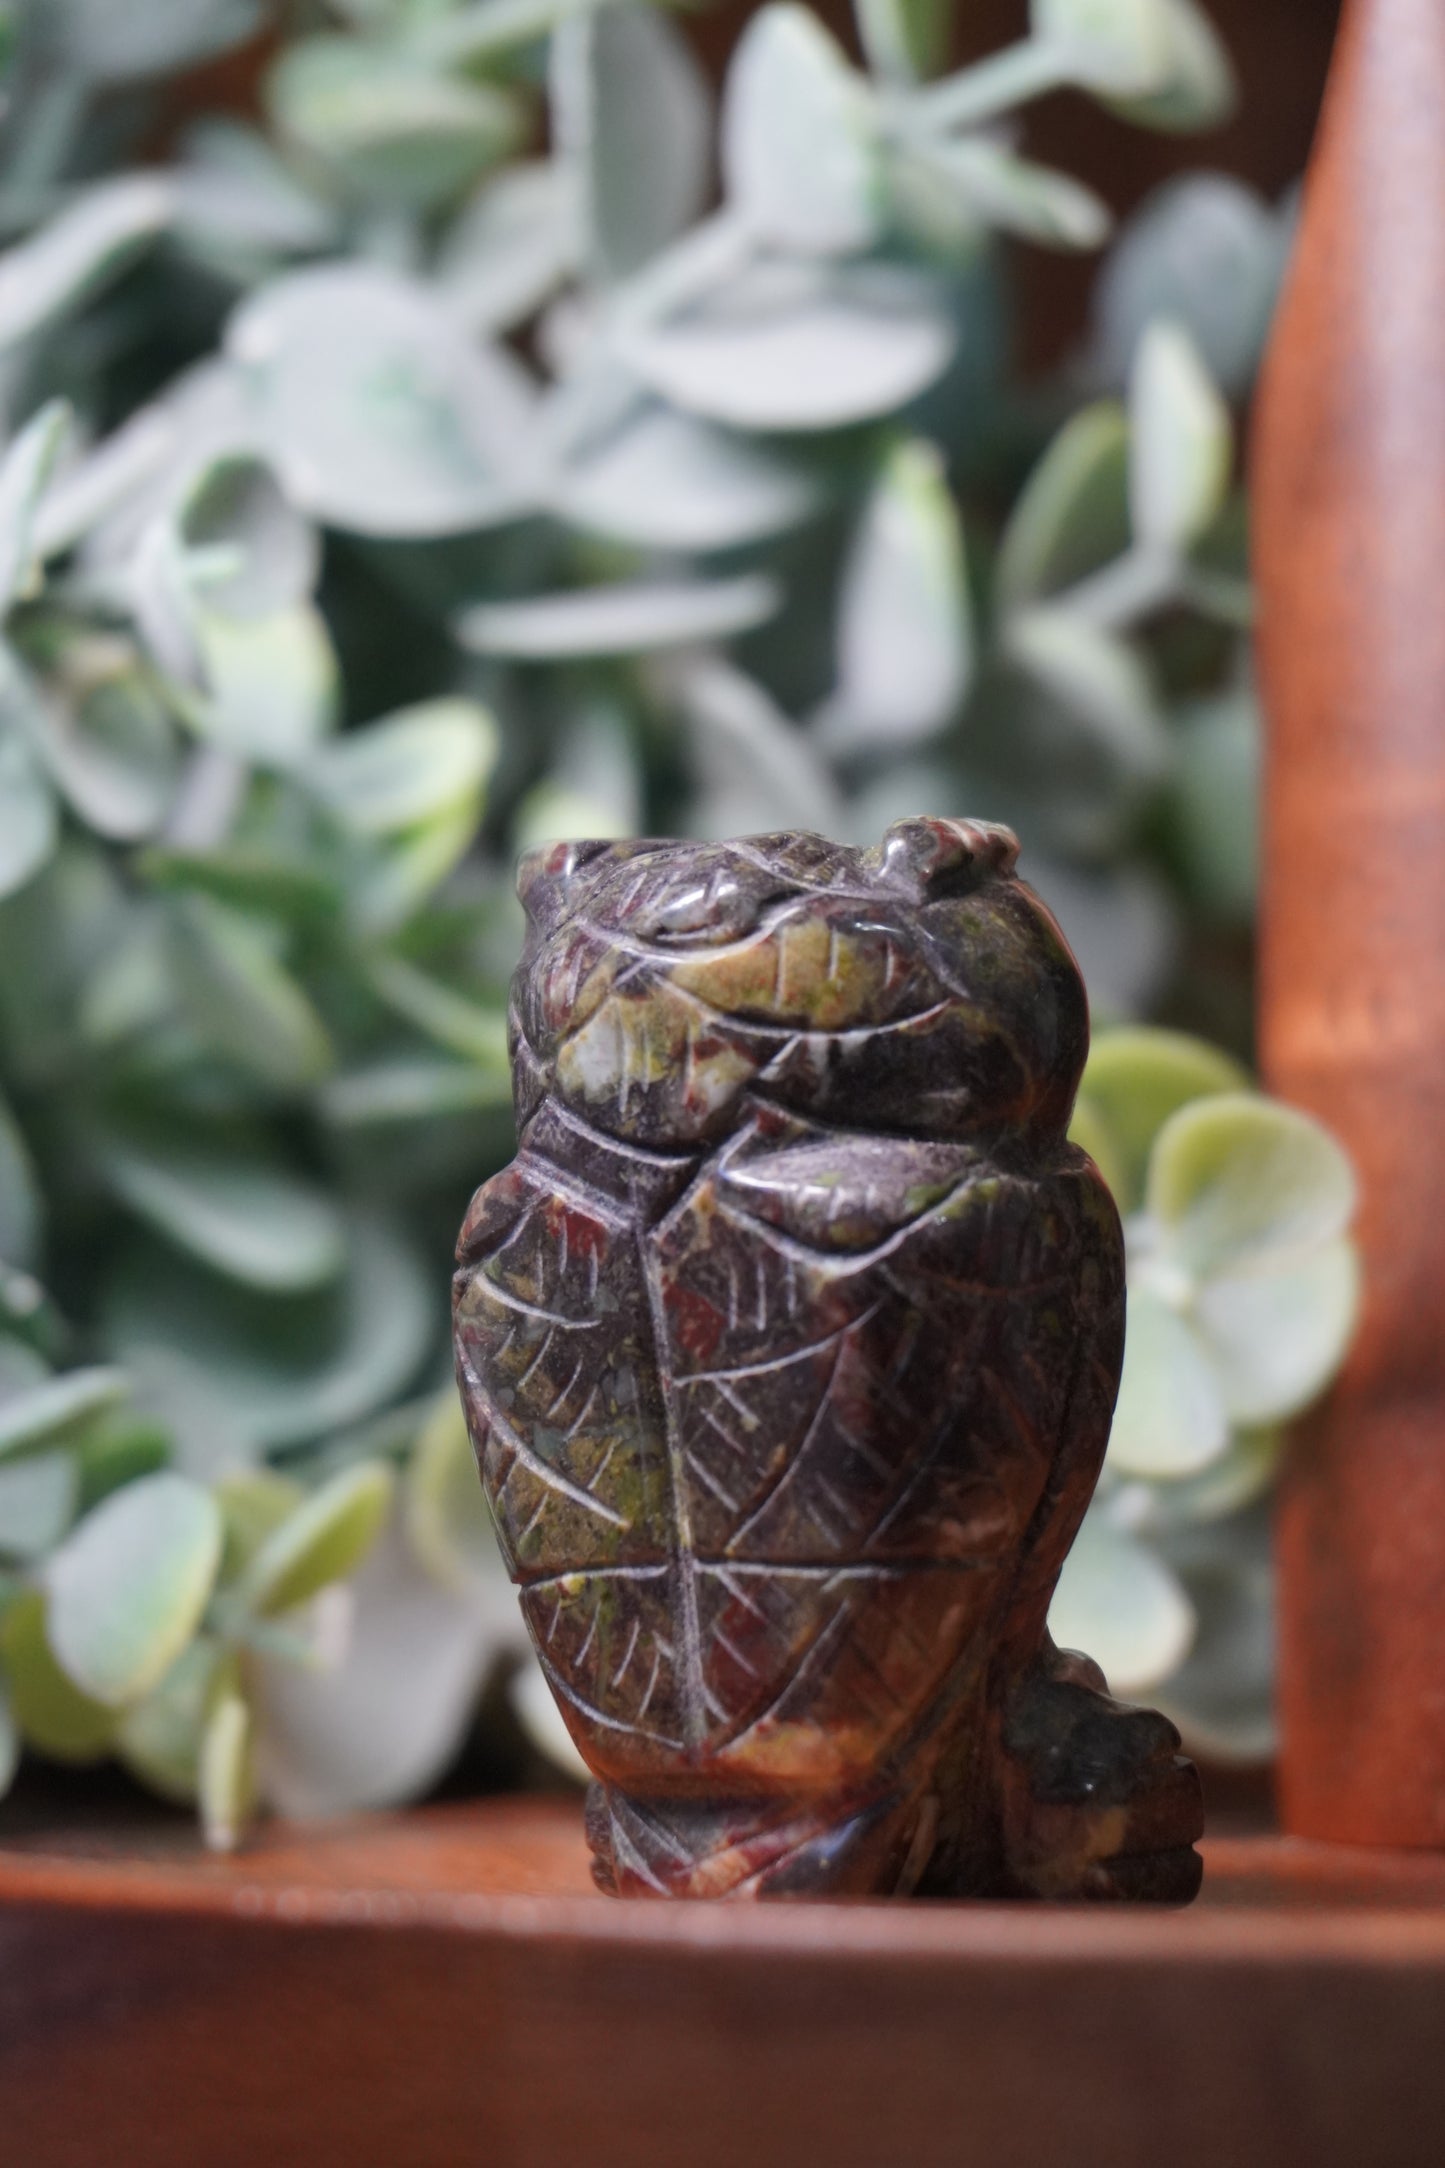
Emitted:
pixel 1243 1288
pixel 386 490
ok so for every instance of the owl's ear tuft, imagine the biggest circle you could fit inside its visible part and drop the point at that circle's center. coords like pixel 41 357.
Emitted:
pixel 930 858
pixel 545 873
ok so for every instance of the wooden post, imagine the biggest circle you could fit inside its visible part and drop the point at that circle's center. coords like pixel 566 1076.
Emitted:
pixel 1350 512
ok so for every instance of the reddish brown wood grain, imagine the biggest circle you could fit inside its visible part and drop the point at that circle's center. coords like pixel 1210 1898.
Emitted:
pixel 1350 511
pixel 442 1987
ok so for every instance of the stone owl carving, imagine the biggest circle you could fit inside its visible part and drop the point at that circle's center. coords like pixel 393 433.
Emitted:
pixel 789 1343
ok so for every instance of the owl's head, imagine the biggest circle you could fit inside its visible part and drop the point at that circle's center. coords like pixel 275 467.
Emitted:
pixel 917 987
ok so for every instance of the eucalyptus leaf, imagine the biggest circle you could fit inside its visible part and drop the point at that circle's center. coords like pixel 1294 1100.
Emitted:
pixel 1204 252
pixel 81 250
pixel 244 1216
pixel 9 1743
pixel 226 1772
pixel 1278 1337
pixel 1182 442
pixel 1119 48
pixel 144 37
pixel 235 503
pixel 512 245
pixel 408 767
pixel 381 1725
pixel 1198 87
pixel 1016 196
pixel 1222 1695
pixel 906 41
pixel 277 1370
pixel 756 769
pixel 1135 1078
pixel 1072 515
pixel 46 1411
pixel 127 1588
pixel 24 473
pixel 1237 1182
pixel 1120 1602
pixel 448 1521
pixel 29 827
pixel 1100 680
pixel 625 619
pixel 104 737
pixel 234 193
pixel 793 349
pixel 631 115
pixel 386 123
pixel 47 1707
pixel 663 480
pixel 419 1089
pixel 323 1541
pixel 378 411
pixel 159 1737
pixel 1170 1421
pixel 240 1000
pixel 800 141
pixel 272 687
pixel 905 636
pixel 38 1497
pixel 22 1205
pixel 453 1020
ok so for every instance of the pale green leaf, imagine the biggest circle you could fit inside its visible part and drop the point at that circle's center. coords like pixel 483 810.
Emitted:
pixel 236 196
pixel 453 1020
pixel 22 1207
pixel 235 504
pixel 51 1712
pixel 800 144
pixel 1222 1696
pixel 44 1412
pixel 1182 443
pixel 1118 1602
pixel 254 1502
pixel 795 347
pixel 1241 1474
pixel 632 118
pixel 29 827
pixel 1016 196
pixel 626 619
pixel 9 1743
pixel 272 684
pixel 37 1503
pixel 325 1540
pixel 378 410
pixel 512 245
pixel 756 769
pixel 226 1772
pixel 1277 1337
pixel 905 636
pixel 663 480
pixel 1096 679
pixel 415 1090
pixel 1238 1182
pixel 1072 515
pixel 81 250
pixel 1119 48
pixel 1198 88
pixel 102 733
pixel 403 770
pixel 240 1000
pixel 905 41
pixel 1137 1076
pixel 381 1726
pixel 159 1737
pixel 1170 1421
pixel 24 473
pixel 1204 252
pixel 448 1522
pixel 259 1370
pixel 241 1214
pixel 387 124
pixel 124 44
pixel 127 1588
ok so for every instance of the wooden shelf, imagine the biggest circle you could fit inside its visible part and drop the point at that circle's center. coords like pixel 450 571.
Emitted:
pixel 444 1986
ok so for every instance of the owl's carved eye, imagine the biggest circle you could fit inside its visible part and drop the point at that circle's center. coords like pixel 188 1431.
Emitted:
pixel 711 900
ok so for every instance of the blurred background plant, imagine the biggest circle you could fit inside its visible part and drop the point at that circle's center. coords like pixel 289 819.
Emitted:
pixel 484 441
